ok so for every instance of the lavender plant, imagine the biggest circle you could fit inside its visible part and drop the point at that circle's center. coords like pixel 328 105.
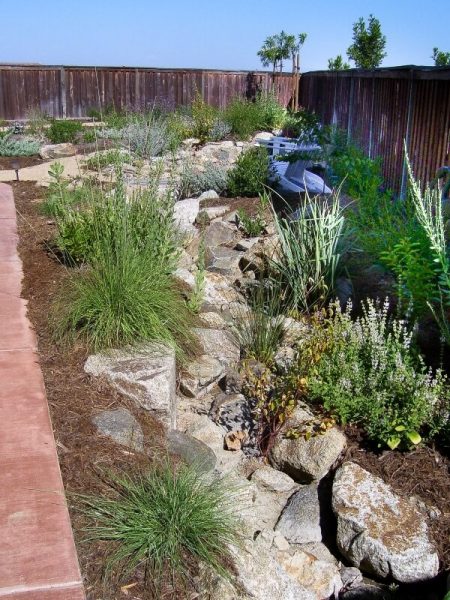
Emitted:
pixel 370 374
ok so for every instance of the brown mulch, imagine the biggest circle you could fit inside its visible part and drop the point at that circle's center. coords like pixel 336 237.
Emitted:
pixel 73 397
pixel 423 473
pixel 250 205
pixel 24 161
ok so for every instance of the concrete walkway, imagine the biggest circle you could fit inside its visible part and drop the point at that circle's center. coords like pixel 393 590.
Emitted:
pixel 39 173
pixel 38 559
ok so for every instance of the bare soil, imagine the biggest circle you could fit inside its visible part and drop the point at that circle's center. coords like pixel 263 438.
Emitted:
pixel 24 161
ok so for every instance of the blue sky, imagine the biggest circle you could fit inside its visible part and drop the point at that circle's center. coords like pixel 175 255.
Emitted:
pixel 209 34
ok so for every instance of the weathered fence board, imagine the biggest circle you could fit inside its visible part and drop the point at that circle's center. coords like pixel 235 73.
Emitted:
pixel 70 91
pixel 382 108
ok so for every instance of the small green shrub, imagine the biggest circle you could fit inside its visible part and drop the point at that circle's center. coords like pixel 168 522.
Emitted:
pixel 247 117
pixel 311 249
pixel 89 136
pixel 192 181
pixel 250 173
pixel 165 522
pixel 370 374
pixel 37 123
pixel 114 157
pixel 13 147
pixel 204 118
pixel 198 293
pixel 94 114
pixel 253 226
pixel 64 131
pixel 147 136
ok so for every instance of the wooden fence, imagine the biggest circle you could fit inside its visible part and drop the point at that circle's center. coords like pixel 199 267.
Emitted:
pixel 70 91
pixel 382 108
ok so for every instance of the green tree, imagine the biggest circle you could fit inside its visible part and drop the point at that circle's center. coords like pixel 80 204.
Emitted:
pixel 280 47
pixel 441 59
pixel 367 50
pixel 337 64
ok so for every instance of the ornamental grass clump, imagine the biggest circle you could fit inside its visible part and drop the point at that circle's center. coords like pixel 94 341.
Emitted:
pixel 312 243
pixel 123 291
pixel 367 372
pixel 166 522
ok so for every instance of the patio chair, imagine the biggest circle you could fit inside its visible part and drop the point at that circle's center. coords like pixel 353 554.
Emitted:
pixel 293 176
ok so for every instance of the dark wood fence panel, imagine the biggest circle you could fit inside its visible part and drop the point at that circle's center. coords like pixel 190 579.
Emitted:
pixel 71 91
pixel 382 108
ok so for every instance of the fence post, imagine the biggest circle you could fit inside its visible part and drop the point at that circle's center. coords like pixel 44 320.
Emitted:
pixel 408 132
pixel 371 117
pixel 62 92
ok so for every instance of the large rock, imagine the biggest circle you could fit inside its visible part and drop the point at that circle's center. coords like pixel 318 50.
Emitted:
pixel 219 344
pixel 147 375
pixel 50 151
pixel 272 489
pixel 185 213
pixel 120 426
pixel 261 577
pixel 307 460
pixel 319 577
pixel 378 531
pixel 300 520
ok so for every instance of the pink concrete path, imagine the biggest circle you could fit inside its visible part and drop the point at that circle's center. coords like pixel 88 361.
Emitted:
pixel 38 560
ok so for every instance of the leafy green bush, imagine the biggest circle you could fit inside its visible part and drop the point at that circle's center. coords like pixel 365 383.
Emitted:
pixel 306 126
pixel 311 249
pixel 64 131
pixel 368 373
pixel 193 181
pixel 204 117
pixel 247 117
pixel 126 294
pixel 165 522
pixel 250 173
pixel 114 157
pixel 13 147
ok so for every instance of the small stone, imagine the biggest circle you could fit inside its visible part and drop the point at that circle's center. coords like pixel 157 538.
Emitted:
pixel 214 212
pixel 218 293
pixel 120 426
pixel 218 233
pixel 208 195
pixel 185 213
pixel 300 519
pixel 212 435
pixel 192 451
pixel 222 260
pixel 199 375
pixel 246 244
pixel 50 151
pixel 219 344
pixel 234 440
pixel 351 577
pixel 318 577
pixel 280 542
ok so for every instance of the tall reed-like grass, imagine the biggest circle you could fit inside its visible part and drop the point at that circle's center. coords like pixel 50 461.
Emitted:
pixel 312 243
